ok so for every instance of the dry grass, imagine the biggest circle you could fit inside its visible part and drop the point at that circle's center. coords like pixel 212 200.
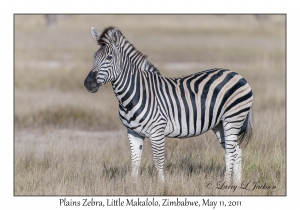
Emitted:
pixel 69 142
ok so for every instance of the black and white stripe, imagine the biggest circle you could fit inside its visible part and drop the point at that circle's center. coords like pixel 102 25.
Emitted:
pixel 156 107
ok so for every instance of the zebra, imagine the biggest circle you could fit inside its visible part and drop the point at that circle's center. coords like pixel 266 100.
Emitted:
pixel 155 107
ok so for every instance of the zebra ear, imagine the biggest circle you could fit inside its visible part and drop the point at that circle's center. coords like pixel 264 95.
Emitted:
pixel 95 34
pixel 115 35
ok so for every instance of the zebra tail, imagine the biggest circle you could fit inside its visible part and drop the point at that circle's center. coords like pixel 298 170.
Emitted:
pixel 246 130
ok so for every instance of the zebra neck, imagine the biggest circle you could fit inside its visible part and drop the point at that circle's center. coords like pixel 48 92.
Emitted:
pixel 127 85
pixel 149 67
pixel 136 58
pixel 131 76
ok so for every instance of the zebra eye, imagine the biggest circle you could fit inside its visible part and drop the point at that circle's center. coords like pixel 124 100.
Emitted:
pixel 109 57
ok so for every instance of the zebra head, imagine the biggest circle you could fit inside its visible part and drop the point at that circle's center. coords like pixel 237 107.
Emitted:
pixel 106 66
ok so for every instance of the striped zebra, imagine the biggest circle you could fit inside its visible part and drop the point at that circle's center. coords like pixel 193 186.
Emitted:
pixel 152 106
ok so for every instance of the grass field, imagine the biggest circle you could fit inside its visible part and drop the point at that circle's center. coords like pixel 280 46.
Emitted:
pixel 70 142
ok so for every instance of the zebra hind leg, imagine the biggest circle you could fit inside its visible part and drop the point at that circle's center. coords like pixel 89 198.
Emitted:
pixel 219 131
pixel 227 136
pixel 136 146
pixel 237 167
pixel 233 153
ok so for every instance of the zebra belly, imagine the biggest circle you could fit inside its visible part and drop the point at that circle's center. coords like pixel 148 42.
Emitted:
pixel 183 132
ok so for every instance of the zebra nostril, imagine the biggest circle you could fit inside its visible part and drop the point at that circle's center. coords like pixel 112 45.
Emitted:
pixel 93 84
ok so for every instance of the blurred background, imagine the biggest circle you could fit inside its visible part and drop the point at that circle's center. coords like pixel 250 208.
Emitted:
pixel 54 53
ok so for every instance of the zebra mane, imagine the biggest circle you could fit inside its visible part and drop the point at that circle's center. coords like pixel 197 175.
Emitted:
pixel 151 68
pixel 104 33
pixel 146 65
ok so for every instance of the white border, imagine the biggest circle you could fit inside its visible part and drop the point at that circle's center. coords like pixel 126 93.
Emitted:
pixel 6 190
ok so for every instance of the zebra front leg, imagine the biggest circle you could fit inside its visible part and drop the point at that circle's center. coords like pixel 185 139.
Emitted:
pixel 158 148
pixel 136 146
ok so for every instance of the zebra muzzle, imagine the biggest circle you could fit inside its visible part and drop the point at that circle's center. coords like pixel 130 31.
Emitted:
pixel 90 82
pixel 93 84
